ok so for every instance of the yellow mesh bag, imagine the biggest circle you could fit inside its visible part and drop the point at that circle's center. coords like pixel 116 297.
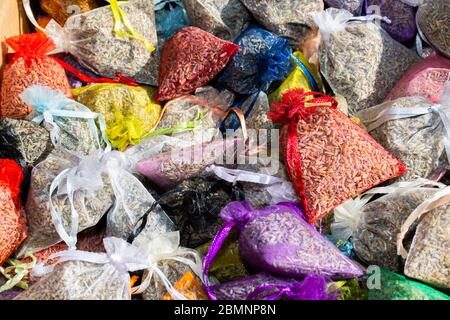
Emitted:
pixel 130 112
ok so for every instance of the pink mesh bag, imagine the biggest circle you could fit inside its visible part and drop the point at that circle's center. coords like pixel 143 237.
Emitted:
pixel 425 79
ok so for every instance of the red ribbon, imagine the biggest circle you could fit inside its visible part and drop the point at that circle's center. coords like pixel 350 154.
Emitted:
pixel 85 78
pixel 296 105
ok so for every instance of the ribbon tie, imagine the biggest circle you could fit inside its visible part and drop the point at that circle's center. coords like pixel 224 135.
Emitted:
pixel 121 255
pixel 162 247
pixel 388 113
pixel 48 103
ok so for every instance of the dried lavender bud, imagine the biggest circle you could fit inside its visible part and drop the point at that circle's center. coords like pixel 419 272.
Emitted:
pixel 96 46
pixel 361 62
pixel 354 6
pixel 418 141
pixel 434 23
pixel 225 19
pixel 42 232
pixel 375 239
pixel 33 141
pixel 265 244
pixel 428 257
pixel 289 18
pixel 172 269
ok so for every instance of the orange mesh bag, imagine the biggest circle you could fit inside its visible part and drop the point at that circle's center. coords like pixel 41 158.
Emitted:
pixel 189 287
pixel 189 60
pixel 29 65
pixel 12 228
pixel 330 159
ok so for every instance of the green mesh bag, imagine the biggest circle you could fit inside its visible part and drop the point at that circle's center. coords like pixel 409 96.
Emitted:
pixel 396 287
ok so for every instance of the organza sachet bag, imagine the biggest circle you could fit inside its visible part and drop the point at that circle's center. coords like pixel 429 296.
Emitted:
pixel 223 18
pixel 110 40
pixel 168 264
pixel 354 6
pixel 425 79
pixel 195 118
pixel 188 158
pixel 359 59
pixel 170 16
pixel 402 16
pixel 13 226
pixel 51 202
pixel 434 24
pixel 71 193
pixel 31 140
pixel 71 124
pixel 289 18
pixel 263 58
pixel 304 76
pixel 18 270
pixel 329 158
pixel 82 275
pixel 130 112
pixel 263 286
pixel 265 244
pixel 414 130
pixel 189 60
pixel 428 256
pixel 61 10
pixel 29 66
pixel 372 226
pixel 194 206
pixel 393 286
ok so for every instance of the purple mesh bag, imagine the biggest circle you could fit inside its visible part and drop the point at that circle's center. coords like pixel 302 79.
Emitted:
pixel 403 17
pixel 277 239
pixel 263 286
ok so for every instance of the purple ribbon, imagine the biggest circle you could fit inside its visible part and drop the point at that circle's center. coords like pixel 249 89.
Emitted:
pixel 217 243
pixel 235 214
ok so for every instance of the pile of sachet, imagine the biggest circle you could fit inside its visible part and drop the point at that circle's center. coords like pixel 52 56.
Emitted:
pixel 226 150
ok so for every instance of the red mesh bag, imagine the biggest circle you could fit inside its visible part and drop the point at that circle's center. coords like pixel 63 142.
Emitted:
pixel 12 228
pixel 330 159
pixel 29 65
pixel 189 60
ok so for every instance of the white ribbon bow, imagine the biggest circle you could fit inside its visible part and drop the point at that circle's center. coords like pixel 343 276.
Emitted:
pixel 120 254
pixel 84 180
pixel 165 246
pixel 49 103
pixel 395 113
pixel 335 20
pixel 348 215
